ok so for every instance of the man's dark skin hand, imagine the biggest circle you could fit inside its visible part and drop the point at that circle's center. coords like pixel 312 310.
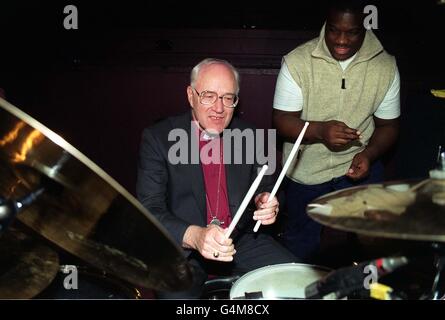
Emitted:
pixel 384 136
pixel 336 135
pixel 333 134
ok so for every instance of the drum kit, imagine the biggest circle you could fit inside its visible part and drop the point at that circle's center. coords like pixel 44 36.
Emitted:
pixel 54 201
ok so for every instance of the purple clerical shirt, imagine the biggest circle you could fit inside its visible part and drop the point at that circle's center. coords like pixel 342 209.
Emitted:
pixel 214 172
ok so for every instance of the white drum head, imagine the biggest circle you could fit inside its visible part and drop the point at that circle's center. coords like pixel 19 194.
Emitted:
pixel 280 281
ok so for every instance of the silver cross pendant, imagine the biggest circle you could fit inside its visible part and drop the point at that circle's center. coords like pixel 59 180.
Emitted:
pixel 216 221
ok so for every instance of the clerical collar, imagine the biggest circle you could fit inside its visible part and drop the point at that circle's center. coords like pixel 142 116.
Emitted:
pixel 204 134
pixel 207 136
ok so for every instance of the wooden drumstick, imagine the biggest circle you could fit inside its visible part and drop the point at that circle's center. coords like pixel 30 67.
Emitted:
pixel 246 201
pixel 284 170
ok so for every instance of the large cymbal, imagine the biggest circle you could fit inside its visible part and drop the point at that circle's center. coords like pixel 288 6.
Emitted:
pixel 83 210
pixel 392 210
pixel 26 266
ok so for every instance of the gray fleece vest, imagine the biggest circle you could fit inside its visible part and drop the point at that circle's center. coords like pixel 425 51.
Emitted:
pixel 367 79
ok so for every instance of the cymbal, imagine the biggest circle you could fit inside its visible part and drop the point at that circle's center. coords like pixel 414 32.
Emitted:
pixel 26 266
pixel 390 210
pixel 438 93
pixel 83 210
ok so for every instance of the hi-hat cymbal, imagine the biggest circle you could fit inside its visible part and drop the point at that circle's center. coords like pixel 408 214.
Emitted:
pixel 391 210
pixel 27 267
pixel 83 210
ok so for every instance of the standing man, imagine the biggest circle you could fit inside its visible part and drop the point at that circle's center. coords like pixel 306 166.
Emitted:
pixel 347 86
pixel 195 201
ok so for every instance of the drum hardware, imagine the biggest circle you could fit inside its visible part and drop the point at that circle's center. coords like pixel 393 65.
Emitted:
pixel 378 291
pixel 438 287
pixel 422 219
pixel 439 171
pixel 253 295
pixel 218 287
pixel 348 280
pixel 441 159
pixel 10 208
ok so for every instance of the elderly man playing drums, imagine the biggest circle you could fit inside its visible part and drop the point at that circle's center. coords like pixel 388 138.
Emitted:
pixel 195 200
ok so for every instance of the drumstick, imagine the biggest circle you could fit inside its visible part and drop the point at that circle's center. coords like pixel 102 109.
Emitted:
pixel 284 170
pixel 246 201
pixel 418 185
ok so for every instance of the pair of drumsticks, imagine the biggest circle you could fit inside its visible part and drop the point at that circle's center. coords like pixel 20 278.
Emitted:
pixel 257 181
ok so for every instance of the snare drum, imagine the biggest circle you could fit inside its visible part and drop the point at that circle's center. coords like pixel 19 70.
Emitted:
pixel 280 281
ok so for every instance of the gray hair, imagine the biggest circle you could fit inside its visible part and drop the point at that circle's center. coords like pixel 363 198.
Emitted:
pixel 209 61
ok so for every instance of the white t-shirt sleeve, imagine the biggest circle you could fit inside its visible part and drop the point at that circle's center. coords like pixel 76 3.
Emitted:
pixel 390 106
pixel 288 95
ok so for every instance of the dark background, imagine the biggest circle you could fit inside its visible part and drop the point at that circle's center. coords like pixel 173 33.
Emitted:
pixel 128 66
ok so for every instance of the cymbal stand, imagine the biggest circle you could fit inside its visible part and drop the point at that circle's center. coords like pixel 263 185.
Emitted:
pixel 438 289
pixel 10 208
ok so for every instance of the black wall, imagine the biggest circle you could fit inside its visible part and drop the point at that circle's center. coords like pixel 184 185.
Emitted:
pixel 128 66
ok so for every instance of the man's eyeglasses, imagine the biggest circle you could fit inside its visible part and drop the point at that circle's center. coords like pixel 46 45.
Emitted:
pixel 229 100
